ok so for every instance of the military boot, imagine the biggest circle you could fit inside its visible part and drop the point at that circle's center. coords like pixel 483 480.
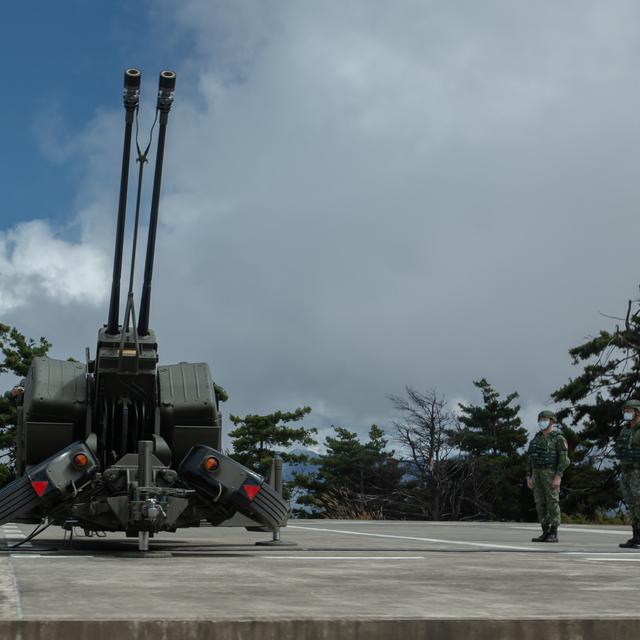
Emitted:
pixel 552 536
pixel 636 537
pixel 543 537
pixel 634 541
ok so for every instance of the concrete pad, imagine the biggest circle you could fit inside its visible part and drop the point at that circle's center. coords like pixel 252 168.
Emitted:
pixel 351 579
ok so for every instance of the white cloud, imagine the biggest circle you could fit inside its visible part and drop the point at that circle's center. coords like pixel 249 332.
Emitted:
pixel 37 266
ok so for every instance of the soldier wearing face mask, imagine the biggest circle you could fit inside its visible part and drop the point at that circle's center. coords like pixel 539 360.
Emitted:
pixel 628 453
pixel 548 458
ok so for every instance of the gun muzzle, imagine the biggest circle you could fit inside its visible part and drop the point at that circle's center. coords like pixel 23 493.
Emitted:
pixel 167 80
pixel 131 78
pixel 166 86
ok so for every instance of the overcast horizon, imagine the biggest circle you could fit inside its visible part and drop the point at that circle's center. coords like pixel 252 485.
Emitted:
pixel 357 196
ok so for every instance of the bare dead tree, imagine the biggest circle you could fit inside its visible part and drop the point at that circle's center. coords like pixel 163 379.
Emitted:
pixel 423 431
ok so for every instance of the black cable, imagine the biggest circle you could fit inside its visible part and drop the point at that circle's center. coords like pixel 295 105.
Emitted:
pixel 36 532
pixel 142 159
pixel 130 313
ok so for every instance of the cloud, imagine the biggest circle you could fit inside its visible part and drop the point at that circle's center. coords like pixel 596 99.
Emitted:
pixel 389 199
pixel 38 266
pixel 357 198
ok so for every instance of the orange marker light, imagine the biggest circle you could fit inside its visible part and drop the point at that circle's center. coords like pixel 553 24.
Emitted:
pixel 210 463
pixel 80 460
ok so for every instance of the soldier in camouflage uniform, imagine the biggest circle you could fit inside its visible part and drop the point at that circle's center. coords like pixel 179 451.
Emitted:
pixel 628 453
pixel 547 460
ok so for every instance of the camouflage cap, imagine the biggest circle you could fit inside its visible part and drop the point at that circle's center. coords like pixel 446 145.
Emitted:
pixel 547 414
pixel 632 404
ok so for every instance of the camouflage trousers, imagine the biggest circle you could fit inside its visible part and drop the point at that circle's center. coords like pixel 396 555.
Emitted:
pixel 630 488
pixel 547 497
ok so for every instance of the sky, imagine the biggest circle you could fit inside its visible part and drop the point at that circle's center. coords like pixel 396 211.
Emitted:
pixel 357 195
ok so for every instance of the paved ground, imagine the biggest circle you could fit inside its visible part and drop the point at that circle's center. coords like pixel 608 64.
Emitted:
pixel 339 571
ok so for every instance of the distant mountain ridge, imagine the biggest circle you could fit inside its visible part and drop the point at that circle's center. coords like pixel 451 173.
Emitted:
pixel 288 470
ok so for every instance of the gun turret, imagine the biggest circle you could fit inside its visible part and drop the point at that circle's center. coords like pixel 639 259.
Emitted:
pixel 120 443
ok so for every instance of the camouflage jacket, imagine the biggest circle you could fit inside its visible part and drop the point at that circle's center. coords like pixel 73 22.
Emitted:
pixel 627 445
pixel 550 451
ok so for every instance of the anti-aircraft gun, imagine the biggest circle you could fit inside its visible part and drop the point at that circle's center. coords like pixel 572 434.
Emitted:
pixel 121 443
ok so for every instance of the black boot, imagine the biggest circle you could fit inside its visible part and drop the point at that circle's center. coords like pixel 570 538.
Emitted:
pixel 552 535
pixel 543 537
pixel 633 542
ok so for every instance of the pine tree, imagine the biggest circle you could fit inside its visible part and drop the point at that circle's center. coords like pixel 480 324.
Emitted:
pixel 492 428
pixel 257 438
pixel 490 437
pixel 593 402
pixel 354 479
pixel 610 376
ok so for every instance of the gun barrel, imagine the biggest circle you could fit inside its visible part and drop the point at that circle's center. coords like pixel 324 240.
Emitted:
pixel 166 87
pixel 131 97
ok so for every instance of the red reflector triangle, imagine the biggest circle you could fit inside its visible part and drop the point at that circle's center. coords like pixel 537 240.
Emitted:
pixel 251 490
pixel 39 486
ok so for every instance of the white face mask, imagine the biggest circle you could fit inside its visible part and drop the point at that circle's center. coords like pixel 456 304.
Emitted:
pixel 627 416
pixel 543 424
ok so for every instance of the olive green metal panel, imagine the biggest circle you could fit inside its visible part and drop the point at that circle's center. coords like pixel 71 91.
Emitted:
pixel 55 391
pixel 54 409
pixel 188 412
pixel 43 439
pixel 185 437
